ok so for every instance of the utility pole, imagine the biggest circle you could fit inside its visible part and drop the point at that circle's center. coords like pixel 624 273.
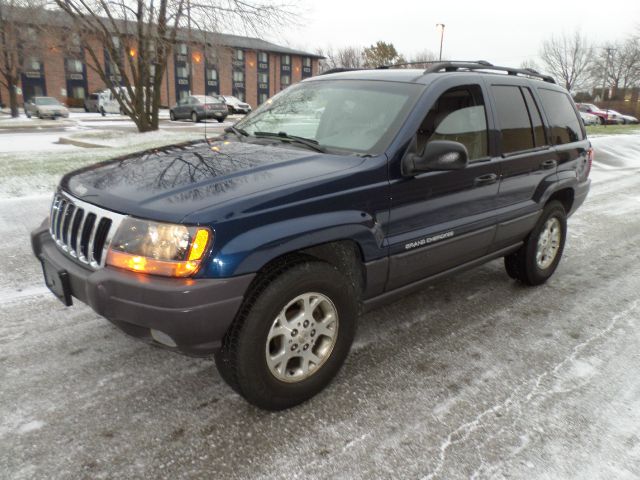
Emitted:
pixel 604 80
pixel 440 26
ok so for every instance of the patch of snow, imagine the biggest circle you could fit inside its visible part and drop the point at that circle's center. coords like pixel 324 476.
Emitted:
pixel 31 426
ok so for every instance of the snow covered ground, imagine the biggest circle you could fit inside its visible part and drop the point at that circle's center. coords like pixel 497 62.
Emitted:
pixel 474 377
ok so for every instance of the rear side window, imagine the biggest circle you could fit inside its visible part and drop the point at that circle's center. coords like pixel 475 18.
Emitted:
pixel 513 119
pixel 564 123
pixel 536 118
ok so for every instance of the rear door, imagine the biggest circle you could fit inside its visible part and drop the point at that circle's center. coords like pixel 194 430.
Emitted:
pixel 525 155
pixel 439 220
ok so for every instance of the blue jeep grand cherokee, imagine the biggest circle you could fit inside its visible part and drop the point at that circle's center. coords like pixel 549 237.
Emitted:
pixel 341 193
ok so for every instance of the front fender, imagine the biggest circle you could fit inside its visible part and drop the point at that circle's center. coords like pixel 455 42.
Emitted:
pixel 249 251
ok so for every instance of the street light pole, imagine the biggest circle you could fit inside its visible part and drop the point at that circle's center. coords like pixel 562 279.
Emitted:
pixel 440 26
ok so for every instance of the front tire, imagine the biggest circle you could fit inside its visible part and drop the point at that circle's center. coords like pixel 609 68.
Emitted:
pixel 291 337
pixel 172 116
pixel 194 117
pixel 538 258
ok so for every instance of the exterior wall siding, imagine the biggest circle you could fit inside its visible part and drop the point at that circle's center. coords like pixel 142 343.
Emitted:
pixel 57 80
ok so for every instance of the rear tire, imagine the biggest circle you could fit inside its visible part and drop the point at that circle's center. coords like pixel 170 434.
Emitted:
pixel 194 117
pixel 220 120
pixel 538 258
pixel 291 336
pixel 172 116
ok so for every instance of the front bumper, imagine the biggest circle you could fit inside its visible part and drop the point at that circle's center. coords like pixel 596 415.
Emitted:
pixel 193 313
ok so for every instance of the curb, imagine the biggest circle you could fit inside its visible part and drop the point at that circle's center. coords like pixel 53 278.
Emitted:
pixel 79 143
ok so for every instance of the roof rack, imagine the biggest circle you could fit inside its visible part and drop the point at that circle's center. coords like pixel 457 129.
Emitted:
pixel 341 69
pixel 428 62
pixel 454 66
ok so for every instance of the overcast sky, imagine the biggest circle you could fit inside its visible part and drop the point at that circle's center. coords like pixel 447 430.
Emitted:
pixel 502 32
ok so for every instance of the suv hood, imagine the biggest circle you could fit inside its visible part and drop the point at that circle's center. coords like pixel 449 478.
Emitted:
pixel 170 183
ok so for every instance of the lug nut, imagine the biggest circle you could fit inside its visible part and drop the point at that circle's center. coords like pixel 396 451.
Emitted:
pixel 313 332
pixel 305 324
pixel 306 345
pixel 294 346
pixel 294 332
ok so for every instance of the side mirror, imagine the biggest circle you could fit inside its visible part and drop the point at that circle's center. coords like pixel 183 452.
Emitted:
pixel 438 155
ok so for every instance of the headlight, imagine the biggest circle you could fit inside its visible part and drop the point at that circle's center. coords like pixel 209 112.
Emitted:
pixel 158 248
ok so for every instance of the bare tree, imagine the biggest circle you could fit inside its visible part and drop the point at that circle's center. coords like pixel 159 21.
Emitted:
pixel 344 57
pixel 139 35
pixel 19 45
pixel 422 59
pixel 621 62
pixel 530 64
pixel 568 58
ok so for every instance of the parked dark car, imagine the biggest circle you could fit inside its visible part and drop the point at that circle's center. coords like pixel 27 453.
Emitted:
pixel 199 107
pixel 264 246
pixel 45 107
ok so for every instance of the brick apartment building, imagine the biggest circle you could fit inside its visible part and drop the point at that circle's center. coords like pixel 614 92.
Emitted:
pixel 248 68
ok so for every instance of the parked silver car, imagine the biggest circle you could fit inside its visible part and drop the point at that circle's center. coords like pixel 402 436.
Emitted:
pixel 198 107
pixel 589 118
pixel 626 119
pixel 235 105
pixel 45 107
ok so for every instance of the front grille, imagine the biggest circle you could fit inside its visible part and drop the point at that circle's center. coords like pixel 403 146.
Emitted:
pixel 82 230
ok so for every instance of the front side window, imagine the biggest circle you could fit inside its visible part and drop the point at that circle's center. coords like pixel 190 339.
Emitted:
pixel 345 115
pixel 515 126
pixel 459 116
pixel 565 126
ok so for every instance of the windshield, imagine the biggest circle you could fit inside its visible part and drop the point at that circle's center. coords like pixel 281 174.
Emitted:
pixel 46 101
pixel 353 115
pixel 203 99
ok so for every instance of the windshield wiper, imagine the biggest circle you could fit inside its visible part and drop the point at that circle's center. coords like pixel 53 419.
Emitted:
pixel 240 132
pixel 285 137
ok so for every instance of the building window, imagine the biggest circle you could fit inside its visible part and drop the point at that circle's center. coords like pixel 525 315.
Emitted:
pixel 182 72
pixel 306 62
pixel 152 70
pixel 240 96
pixel 212 74
pixel 263 78
pixel 285 80
pixel 77 92
pixel 239 54
pixel 74 66
pixel 262 97
pixel 181 49
pixel 286 60
pixel 34 64
pixel 238 76
pixel 263 57
pixel 116 42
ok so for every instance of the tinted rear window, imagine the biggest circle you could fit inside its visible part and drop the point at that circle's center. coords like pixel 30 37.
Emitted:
pixel 564 123
pixel 536 119
pixel 513 119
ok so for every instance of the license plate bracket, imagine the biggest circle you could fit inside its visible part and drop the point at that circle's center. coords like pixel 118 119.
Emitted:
pixel 58 282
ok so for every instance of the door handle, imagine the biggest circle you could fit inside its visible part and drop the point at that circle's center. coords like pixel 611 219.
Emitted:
pixel 547 164
pixel 487 179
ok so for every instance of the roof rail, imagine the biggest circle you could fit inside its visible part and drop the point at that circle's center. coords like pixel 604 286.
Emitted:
pixel 453 66
pixel 428 62
pixel 341 69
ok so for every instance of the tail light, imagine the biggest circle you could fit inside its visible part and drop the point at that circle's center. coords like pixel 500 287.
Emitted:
pixel 589 162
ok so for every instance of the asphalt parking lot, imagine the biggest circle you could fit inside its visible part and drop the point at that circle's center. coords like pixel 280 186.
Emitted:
pixel 474 377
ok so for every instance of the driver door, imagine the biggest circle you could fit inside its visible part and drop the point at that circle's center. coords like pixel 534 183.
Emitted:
pixel 442 219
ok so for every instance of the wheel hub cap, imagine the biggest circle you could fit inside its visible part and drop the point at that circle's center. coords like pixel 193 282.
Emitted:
pixel 302 337
pixel 548 243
